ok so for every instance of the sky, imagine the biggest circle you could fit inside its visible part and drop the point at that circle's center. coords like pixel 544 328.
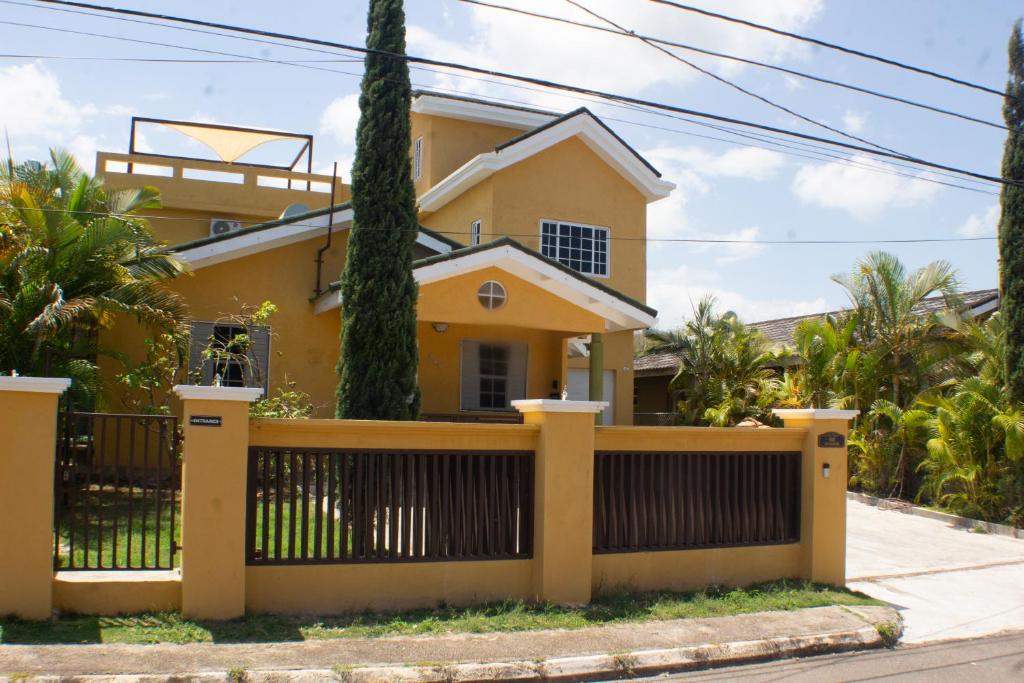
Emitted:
pixel 731 188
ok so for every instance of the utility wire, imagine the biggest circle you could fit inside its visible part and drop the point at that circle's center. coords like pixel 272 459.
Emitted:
pixel 174 46
pixel 743 60
pixel 768 139
pixel 678 240
pixel 831 46
pixel 735 86
pixel 247 60
pixel 543 83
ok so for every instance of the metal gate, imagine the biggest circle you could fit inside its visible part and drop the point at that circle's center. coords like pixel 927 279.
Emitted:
pixel 117 492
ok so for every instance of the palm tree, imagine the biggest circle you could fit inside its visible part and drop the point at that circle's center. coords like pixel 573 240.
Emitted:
pixel 73 256
pixel 722 366
pixel 977 433
pixel 886 299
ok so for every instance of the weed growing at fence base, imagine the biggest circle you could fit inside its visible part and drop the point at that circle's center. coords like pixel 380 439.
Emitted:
pixel 498 617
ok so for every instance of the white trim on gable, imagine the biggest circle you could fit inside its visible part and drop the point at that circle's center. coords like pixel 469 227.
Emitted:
pixel 618 314
pixel 479 112
pixel 245 244
pixel 609 148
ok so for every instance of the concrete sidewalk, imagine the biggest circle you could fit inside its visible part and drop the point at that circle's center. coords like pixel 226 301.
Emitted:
pixel 604 651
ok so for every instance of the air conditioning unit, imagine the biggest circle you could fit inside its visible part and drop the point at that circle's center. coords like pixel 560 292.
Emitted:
pixel 222 226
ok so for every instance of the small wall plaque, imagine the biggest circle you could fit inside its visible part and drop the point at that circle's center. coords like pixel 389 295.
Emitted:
pixel 205 420
pixel 831 440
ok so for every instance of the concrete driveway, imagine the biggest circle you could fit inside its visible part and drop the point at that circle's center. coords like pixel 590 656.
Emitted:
pixel 946 582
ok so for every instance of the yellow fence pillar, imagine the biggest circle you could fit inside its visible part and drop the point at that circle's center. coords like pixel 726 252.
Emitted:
pixel 563 498
pixel 823 477
pixel 28 425
pixel 216 445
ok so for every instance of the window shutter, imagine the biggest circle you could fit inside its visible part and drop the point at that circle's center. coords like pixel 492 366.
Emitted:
pixel 199 370
pixel 470 375
pixel 517 372
pixel 259 357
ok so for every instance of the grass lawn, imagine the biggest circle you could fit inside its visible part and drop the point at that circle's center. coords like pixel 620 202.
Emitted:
pixel 99 521
pixel 505 616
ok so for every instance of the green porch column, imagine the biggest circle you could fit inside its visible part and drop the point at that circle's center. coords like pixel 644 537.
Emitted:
pixel 597 372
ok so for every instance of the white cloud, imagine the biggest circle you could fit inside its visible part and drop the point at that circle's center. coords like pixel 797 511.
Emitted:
pixel 84 147
pixel 34 104
pixel 603 61
pixel 339 121
pixel 854 122
pixel 674 291
pixel 864 190
pixel 690 168
pixel 981 224
pixel 752 163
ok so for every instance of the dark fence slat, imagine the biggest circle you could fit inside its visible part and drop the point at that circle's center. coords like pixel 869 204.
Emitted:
pixel 388 506
pixel 682 500
pixel 117 491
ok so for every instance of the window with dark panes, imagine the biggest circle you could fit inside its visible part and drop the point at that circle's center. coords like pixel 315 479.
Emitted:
pixel 584 248
pixel 493 375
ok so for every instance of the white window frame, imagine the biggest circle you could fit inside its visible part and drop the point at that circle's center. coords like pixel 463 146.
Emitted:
pixel 475 229
pixel 608 241
pixel 417 158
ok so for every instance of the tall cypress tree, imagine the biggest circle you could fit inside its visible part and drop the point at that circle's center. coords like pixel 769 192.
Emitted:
pixel 378 365
pixel 1011 220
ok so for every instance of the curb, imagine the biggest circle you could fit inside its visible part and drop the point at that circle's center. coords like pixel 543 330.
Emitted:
pixel 580 668
pixel 952 520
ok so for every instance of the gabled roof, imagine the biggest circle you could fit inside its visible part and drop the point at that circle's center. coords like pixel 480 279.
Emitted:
pixel 282 232
pixel 780 330
pixel 582 123
pixel 479 111
pixel 619 311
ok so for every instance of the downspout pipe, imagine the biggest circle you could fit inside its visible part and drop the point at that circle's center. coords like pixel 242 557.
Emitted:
pixel 317 291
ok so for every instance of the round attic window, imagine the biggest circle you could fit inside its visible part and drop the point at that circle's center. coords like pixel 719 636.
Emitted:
pixel 491 295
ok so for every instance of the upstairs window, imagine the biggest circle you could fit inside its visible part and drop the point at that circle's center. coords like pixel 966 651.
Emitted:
pixel 584 248
pixel 417 159
pixel 474 233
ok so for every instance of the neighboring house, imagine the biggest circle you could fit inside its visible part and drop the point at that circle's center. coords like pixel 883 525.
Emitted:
pixel 518 258
pixel 654 372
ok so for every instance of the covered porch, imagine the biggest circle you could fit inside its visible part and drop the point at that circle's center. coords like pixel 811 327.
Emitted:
pixel 498 323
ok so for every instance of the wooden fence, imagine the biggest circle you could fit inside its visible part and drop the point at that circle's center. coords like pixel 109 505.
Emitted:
pixel 308 506
pixel 682 500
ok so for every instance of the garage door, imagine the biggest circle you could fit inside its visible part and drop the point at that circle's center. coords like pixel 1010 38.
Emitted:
pixel 579 390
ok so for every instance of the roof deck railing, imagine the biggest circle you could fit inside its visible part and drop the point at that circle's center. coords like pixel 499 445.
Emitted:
pixel 181 168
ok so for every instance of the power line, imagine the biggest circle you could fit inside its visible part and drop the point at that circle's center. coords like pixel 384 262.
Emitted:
pixel 670 240
pixel 247 60
pixel 831 46
pixel 731 84
pixel 767 139
pixel 172 45
pixel 743 60
pixel 543 83
pixel 814 151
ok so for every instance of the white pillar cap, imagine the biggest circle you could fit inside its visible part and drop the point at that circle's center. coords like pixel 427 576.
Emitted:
pixel 815 413
pixel 554 405
pixel 35 385
pixel 210 393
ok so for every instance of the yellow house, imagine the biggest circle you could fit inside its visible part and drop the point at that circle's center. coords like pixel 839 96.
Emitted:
pixel 530 258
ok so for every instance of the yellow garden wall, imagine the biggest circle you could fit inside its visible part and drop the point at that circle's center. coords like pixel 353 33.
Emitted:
pixel 687 570
pixel 332 589
pixel 214 581
pixel 117 592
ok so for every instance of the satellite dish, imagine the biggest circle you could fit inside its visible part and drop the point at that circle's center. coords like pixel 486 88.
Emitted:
pixel 294 210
